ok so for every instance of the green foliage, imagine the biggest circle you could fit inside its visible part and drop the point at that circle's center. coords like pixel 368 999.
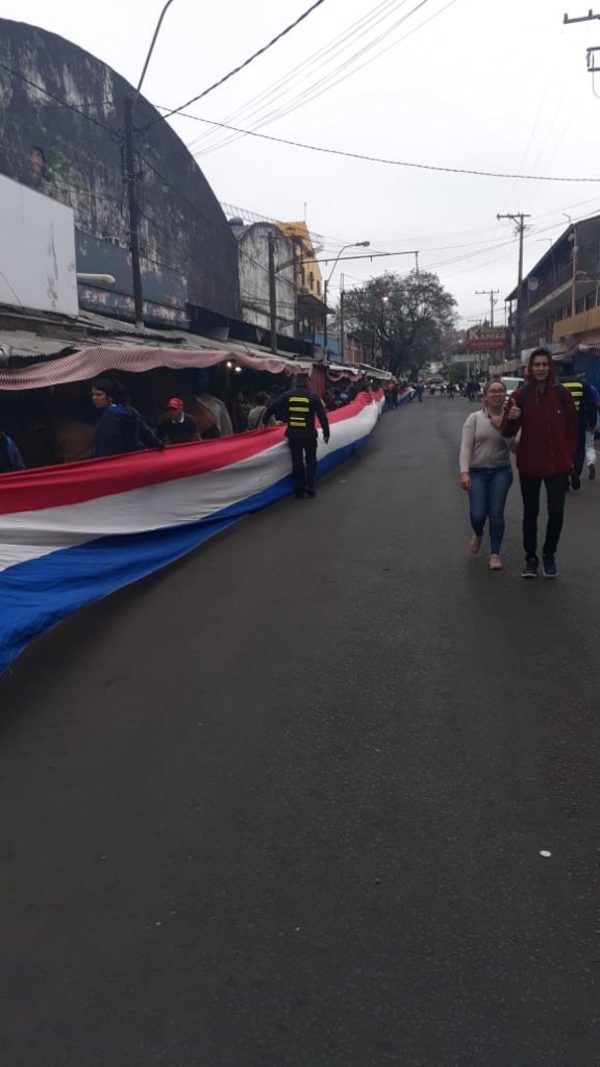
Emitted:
pixel 406 320
pixel 458 372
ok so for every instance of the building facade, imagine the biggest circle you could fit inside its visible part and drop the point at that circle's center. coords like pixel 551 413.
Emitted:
pixel 560 296
pixel 308 280
pixel 62 115
pixel 253 246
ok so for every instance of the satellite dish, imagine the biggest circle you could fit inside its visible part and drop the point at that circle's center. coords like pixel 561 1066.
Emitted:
pixel 533 284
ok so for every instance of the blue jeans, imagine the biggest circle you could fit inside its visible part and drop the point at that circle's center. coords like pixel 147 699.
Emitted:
pixel 487 497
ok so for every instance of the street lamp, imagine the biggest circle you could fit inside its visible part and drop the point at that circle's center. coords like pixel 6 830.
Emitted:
pixel 352 244
pixel 156 33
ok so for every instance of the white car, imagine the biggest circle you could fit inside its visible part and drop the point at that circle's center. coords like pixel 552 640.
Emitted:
pixel 512 383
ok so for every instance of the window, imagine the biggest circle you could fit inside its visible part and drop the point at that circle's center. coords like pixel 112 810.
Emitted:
pixel 318 288
pixel 303 277
pixel 311 281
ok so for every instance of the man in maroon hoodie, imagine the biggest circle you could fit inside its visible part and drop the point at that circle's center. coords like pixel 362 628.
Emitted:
pixel 547 417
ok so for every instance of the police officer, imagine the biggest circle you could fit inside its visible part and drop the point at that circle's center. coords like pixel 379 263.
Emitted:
pixel 585 402
pixel 298 408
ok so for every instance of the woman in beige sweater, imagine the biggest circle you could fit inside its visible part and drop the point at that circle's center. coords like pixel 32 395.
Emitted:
pixel 485 470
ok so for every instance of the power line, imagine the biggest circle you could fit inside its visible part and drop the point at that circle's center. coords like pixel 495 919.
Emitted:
pixel 327 81
pixel 319 59
pixel 394 162
pixel 241 66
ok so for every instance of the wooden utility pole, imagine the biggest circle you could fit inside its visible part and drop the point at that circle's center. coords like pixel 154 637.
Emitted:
pixel 519 219
pixel 491 293
pixel 134 237
pixel 272 293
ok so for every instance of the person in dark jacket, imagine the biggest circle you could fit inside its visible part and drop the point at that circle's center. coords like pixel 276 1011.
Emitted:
pixel 549 423
pixel 585 402
pixel 180 428
pixel 298 408
pixel 120 427
pixel 10 457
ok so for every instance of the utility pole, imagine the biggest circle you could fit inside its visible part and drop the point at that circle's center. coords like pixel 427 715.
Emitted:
pixel 581 18
pixel 272 293
pixel 325 288
pixel 491 293
pixel 519 219
pixel 342 323
pixel 134 237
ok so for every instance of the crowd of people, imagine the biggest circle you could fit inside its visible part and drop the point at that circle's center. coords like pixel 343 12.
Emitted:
pixel 121 429
pixel 550 425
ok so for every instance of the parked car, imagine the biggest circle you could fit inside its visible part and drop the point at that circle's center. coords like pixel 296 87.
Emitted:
pixel 512 383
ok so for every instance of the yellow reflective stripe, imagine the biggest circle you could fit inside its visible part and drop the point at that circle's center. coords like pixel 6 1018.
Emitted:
pixel 297 423
pixel 576 391
pixel 300 400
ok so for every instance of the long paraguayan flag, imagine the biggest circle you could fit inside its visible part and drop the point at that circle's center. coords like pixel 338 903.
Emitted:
pixel 72 534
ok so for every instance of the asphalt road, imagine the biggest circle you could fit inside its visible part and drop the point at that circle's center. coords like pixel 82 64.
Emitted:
pixel 283 805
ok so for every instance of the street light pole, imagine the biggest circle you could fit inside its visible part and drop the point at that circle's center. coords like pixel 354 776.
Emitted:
pixel 353 244
pixel 156 33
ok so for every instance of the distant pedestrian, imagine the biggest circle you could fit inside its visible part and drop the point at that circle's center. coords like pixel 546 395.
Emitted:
pixel 298 408
pixel 180 428
pixel 120 428
pixel 10 457
pixel 257 413
pixel 549 423
pixel 486 471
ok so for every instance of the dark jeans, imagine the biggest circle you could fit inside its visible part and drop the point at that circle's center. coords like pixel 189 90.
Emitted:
pixel 556 488
pixel 301 449
pixel 487 497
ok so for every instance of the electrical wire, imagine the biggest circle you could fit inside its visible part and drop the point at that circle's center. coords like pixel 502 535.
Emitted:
pixel 320 85
pixel 241 66
pixel 319 59
pixel 398 162
pixel 326 83
pixel 329 81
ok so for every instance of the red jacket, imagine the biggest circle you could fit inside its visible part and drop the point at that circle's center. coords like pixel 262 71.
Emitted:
pixel 549 430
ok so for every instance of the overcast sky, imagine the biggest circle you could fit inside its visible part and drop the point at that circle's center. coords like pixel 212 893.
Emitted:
pixel 498 86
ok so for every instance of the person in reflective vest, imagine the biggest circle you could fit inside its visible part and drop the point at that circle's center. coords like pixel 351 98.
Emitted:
pixel 587 412
pixel 299 408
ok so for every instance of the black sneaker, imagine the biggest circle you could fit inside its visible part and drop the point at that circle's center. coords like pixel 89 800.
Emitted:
pixel 530 570
pixel 575 482
pixel 592 471
pixel 549 565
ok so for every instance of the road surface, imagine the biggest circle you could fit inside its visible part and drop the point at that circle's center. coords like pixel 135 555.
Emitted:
pixel 286 803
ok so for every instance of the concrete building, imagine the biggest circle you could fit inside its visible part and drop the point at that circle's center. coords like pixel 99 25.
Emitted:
pixel 561 294
pixel 253 245
pixel 308 279
pixel 61 133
